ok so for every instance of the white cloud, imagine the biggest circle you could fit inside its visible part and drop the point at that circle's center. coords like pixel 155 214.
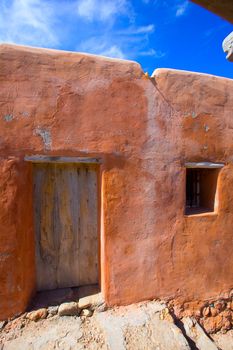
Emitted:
pixel 38 23
pixel 113 51
pixel 124 46
pixel 153 53
pixel 138 30
pixel 102 46
pixel 102 10
pixel 181 8
pixel 29 22
pixel 146 29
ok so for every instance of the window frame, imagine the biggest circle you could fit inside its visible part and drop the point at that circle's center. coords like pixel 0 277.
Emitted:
pixel 201 210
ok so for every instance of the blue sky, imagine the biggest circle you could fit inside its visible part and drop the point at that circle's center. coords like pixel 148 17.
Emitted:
pixel 156 33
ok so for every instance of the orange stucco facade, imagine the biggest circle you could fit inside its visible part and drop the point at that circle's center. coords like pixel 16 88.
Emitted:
pixel 144 130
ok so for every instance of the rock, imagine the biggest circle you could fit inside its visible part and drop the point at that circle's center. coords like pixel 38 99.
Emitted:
pixel 86 313
pixel 15 324
pixel 37 314
pixel 52 310
pixel 165 315
pixel 226 320
pixel 213 324
pixel 206 311
pixel 68 309
pixel 23 324
pixel 214 312
pixel 220 305
pixel 84 303
pixel 93 301
pixel 139 327
pixel 62 333
pixel 101 308
pixel 166 335
pixel 226 325
pixel 2 324
pixel 197 314
pixel 227 314
pixel 224 341
pixel 178 310
pixel 195 332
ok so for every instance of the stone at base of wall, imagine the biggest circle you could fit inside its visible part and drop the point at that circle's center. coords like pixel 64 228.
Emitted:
pixel 214 316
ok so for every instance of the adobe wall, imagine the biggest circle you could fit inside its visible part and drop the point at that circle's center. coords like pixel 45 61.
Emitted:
pixel 144 130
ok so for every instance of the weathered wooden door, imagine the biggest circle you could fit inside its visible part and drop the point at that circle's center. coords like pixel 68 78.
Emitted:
pixel 66 225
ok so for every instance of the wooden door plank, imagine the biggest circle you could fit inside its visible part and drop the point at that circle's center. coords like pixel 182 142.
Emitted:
pixel 68 194
pixel 88 242
pixel 46 244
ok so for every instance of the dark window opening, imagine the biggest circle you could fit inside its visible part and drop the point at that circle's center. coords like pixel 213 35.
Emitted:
pixel 201 187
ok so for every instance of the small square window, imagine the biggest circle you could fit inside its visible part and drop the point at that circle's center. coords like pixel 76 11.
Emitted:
pixel 201 187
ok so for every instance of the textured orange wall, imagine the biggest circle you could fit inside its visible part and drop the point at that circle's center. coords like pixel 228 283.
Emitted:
pixel 17 272
pixel 144 130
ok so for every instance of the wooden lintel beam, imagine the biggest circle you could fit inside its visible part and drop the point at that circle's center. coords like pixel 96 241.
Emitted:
pixel 59 159
pixel 205 165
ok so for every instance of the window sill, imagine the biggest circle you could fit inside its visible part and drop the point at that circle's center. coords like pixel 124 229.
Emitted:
pixel 205 214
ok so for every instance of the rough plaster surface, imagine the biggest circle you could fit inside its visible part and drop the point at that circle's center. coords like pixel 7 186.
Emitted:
pixel 17 272
pixel 144 130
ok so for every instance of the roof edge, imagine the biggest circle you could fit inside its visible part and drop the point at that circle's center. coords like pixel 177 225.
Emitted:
pixel 163 71
pixel 49 51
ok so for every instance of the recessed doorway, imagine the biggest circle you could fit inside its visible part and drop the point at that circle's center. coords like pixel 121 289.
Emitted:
pixel 66 224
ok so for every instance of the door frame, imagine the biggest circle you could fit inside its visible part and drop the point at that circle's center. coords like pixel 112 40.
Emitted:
pixel 88 161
